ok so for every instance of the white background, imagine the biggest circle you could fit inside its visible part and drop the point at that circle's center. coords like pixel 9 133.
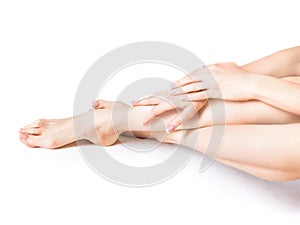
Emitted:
pixel 45 49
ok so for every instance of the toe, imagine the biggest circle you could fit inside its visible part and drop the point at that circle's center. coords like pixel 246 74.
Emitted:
pixel 26 140
pixel 40 121
pixel 42 141
pixel 32 130
pixel 23 136
pixel 34 124
pixel 32 141
pixel 98 104
pixel 101 104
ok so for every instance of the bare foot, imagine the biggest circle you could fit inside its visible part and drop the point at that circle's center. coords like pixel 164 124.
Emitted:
pixel 48 133
pixel 56 133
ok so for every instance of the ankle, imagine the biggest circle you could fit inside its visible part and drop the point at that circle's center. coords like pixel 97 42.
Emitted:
pixel 82 125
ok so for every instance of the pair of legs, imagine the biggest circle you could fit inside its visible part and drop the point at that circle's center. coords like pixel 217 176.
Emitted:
pixel 249 144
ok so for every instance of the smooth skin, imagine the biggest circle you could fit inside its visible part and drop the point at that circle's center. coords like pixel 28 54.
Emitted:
pixel 227 81
pixel 255 140
pixel 272 156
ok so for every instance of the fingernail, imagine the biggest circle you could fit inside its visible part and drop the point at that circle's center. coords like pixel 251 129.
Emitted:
pixel 170 129
pixel 133 102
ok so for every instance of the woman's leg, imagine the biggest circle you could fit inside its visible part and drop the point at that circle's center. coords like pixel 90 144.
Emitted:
pixel 267 151
pixel 270 152
pixel 250 112
pixel 56 133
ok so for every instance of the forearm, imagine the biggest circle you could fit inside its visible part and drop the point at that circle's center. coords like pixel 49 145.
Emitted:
pixel 280 64
pixel 279 93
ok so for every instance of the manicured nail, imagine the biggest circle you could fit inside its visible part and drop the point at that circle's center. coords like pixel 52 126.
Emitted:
pixel 170 129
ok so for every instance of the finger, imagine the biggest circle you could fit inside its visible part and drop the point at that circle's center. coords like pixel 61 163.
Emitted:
pixel 202 70
pixel 195 76
pixel 192 87
pixel 183 81
pixel 199 104
pixel 185 114
pixel 173 124
pixel 155 111
pixel 196 96
pixel 147 101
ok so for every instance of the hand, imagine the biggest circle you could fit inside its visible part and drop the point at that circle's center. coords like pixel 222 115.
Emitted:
pixel 163 102
pixel 223 81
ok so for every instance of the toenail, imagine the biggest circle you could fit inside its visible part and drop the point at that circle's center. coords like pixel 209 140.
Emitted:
pixel 24 136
